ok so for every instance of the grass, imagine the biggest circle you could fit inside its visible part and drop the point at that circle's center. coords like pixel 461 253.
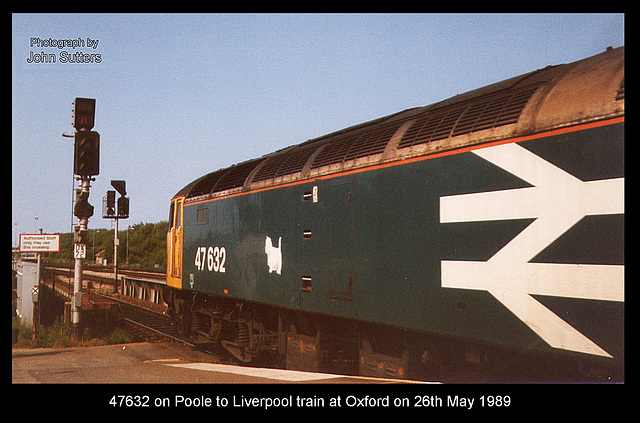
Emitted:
pixel 60 335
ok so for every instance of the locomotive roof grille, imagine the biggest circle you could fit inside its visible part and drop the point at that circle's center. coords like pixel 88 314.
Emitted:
pixel 205 184
pixel 489 107
pixel 439 122
pixel 620 95
pixel 357 144
pixel 235 176
pixel 484 112
pixel 223 179
pixel 290 161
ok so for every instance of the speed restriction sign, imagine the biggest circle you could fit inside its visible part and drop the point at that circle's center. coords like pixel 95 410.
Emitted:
pixel 79 250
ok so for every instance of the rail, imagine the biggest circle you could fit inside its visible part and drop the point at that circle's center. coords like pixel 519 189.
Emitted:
pixel 148 320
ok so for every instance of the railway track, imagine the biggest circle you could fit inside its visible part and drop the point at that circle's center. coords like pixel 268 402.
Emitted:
pixel 151 325
pixel 148 322
pixel 141 318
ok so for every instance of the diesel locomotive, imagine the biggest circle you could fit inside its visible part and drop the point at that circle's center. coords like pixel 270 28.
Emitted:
pixel 480 238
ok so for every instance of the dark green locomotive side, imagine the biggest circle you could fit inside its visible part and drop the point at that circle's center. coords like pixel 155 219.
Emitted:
pixel 369 245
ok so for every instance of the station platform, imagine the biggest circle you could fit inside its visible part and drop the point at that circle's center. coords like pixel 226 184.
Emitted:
pixel 156 378
pixel 164 362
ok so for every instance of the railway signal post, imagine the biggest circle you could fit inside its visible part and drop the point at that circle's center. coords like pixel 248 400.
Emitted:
pixel 109 211
pixel 86 164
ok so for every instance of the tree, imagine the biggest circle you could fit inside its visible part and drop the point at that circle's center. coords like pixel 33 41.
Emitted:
pixel 147 246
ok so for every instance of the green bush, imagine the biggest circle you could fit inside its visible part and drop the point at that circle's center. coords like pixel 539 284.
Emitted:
pixel 60 335
pixel 118 336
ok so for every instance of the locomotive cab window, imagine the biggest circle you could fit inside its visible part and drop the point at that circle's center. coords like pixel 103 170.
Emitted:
pixel 174 242
pixel 171 220
pixel 175 220
pixel 178 221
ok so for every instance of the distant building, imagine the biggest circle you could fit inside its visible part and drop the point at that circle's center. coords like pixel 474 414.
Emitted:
pixel 100 257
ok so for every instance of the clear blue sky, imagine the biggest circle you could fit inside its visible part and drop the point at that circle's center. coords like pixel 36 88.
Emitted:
pixel 179 96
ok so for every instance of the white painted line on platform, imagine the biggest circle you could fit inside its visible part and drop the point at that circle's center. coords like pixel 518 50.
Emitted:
pixel 278 374
pixel 162 360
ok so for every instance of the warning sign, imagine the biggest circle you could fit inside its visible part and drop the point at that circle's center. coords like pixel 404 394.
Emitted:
pixel 39 243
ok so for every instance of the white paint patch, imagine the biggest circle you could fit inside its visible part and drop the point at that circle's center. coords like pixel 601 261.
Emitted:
pixel 282 375
pixel 274 255
pixel 277 374
pixel 557 201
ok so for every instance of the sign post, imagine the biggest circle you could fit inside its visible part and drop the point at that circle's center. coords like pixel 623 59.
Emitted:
pixel 38 243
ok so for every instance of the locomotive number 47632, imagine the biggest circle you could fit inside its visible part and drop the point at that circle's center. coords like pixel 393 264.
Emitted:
pixel 213 258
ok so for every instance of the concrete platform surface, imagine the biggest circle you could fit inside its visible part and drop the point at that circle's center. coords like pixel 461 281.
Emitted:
pixel 166 363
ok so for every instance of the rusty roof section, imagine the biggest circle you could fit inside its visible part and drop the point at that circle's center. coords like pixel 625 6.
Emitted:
pixel 553 97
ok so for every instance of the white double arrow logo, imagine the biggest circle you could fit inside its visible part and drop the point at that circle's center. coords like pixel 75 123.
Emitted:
pixel 557 201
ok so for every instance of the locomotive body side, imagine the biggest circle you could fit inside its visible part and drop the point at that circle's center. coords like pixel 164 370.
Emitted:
pixel 378 245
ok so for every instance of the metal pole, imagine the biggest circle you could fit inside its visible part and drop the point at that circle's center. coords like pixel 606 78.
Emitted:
pixel 116 241
pixel 76 302
pixel 36 306
pixel 36 309
pixel 77 289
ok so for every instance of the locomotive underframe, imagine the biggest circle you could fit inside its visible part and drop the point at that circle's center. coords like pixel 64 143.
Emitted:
pixel 255 333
